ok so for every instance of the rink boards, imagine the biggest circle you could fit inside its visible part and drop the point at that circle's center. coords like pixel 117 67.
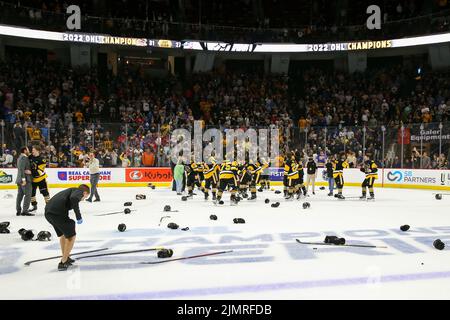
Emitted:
pixel 139 177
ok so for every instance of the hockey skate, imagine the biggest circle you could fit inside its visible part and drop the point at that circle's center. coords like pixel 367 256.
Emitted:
pixel 289 197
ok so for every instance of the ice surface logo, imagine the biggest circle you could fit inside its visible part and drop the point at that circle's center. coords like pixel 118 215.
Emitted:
pixel 5 178
pixel 135 175
pixel 62 175
pixel 396 176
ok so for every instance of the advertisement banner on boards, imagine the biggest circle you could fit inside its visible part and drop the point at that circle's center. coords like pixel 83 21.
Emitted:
pixel 148 175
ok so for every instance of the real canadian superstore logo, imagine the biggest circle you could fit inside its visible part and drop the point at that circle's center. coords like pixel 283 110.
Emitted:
pixel 82 175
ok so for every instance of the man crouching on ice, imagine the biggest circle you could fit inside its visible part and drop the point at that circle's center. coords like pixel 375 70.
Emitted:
pixel 57 213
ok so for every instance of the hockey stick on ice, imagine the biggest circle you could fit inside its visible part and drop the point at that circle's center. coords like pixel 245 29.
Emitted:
pixel 189 257
pixel 119 253
pixel 162 218
pixel 57 257
pixel 111 213
pixel 341 245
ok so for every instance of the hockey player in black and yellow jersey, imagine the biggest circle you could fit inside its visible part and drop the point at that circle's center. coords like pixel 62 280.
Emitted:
pixel 38 165
pixel 255 170
pixel 370 169
pixel 287 163
pixel 245 178
pixel 195 176
pixel 300 186
pixel 338 173
pixel 211 175
pixel 228 177
pixel 291 175
pixel 265 175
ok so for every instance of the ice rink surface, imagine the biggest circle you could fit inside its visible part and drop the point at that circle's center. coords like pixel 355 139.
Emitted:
pixel 266 262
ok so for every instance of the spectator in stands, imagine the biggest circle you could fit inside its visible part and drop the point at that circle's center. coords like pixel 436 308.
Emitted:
pixel 106 159
pixel 351 159
pixel 435 161
pixel 426 161
pixel 442 162
pixel 114 157
pixel 7 159
pixel 126 162
pixel 137 158
pixel 82 159
pixel 36 133
pixel 148 158
pixel 19 135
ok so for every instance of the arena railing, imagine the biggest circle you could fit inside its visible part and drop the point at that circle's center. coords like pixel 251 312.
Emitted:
pixel 414 146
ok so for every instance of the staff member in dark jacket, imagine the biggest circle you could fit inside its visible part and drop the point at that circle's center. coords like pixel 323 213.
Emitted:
pixel 23 182
pixel 329 176
pixel 57 214
pixel 311 170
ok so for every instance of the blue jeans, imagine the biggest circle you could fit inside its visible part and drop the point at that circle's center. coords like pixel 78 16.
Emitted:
pixel 179 184
pixel 331 184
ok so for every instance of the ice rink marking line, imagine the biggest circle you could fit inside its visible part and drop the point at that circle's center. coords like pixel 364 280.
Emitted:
pixel 173 294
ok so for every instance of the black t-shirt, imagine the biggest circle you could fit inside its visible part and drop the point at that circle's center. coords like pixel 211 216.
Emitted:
pixel 64 201
pixel 107 161
pixel 311 167
pixel 19 133
pixel 329 167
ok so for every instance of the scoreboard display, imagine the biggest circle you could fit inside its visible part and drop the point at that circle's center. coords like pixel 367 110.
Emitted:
pixel 168 44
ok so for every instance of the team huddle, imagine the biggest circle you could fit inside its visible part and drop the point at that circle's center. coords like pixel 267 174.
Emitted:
pixel 229 175
pixel 239 178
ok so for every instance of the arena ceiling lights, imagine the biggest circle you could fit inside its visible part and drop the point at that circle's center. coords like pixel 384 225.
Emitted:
pixel 100 39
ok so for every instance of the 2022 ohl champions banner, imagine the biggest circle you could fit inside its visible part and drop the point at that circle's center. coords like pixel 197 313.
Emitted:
pixel 129 177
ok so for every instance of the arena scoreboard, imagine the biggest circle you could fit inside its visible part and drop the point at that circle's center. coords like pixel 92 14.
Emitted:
pixel 210 46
